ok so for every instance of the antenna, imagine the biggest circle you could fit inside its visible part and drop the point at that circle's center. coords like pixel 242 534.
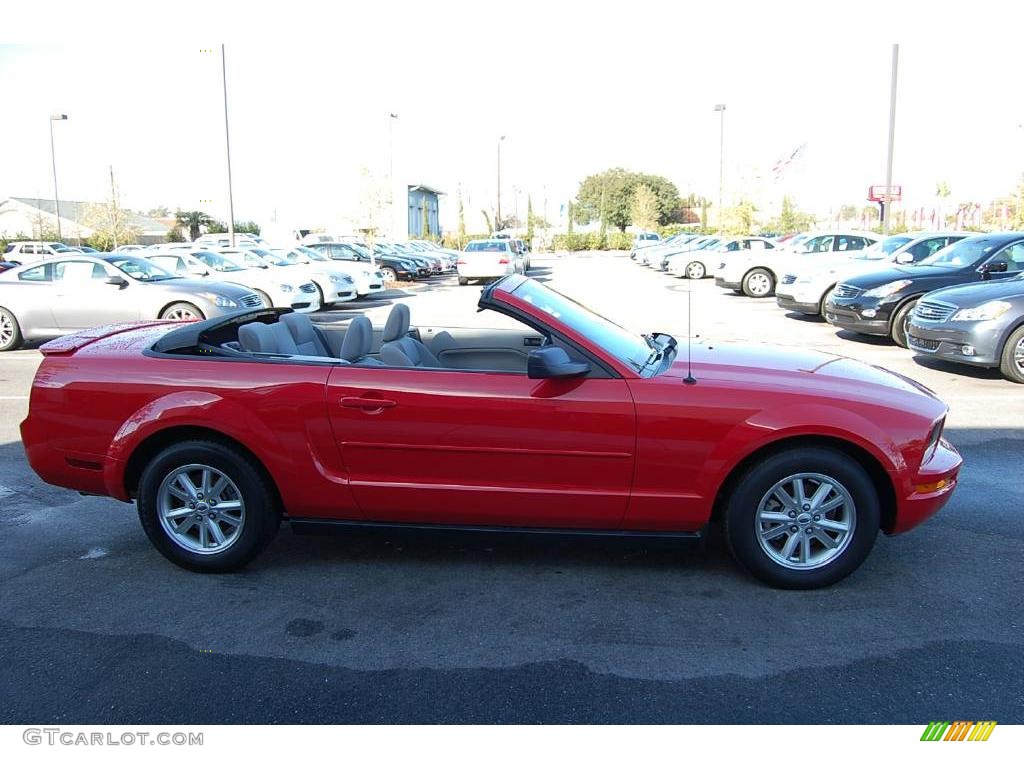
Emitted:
pixel 689 328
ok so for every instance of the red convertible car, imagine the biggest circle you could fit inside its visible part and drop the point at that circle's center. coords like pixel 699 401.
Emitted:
pixel 220 429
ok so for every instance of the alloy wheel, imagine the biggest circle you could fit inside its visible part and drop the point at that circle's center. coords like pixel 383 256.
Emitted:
pixel 1018 356
pixel 695 270
pixel 201 509
pixel 805 521
pixel 759 284
pixel 6 330
pixel 182 313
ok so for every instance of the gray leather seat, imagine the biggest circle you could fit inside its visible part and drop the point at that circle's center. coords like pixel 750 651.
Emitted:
pixel 398 348
pixel 308 339
pixel 358 342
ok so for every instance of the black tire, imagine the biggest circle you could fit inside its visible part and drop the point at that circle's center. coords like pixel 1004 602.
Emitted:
pixel 10 331
pixel 463 281
pixel 898 328
pixel 754 282
pixel 267 302
pixel 741 526
pixel 320 296
pixel 824 301
pixel 1007 361
pixel 180 311
pixel 696 270
pixel 390 276
pixel 261 517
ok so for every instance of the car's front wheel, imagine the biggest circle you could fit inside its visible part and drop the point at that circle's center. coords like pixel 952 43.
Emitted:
pixel 10 331
pixel 803 518
pixel 898 332
pixel 182 311
pixel 206 507
pixel 390 276
pixel 758 283
pixel 695 270
pixel 1011 362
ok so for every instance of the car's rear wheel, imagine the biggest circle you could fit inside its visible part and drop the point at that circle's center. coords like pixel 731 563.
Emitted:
pixel 803 518
pixel 10 331
pixel 1011 362
pixel 898 331
pixel 463 281
pixel 758 283
pixel 206 507
pixel 695 270
pixel 182 311
pixel 390 276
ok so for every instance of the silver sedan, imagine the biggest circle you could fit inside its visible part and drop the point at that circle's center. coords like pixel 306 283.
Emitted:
pixel 70 293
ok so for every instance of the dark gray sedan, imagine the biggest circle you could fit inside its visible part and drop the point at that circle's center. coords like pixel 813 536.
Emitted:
pixel 72 292
pixel 978 324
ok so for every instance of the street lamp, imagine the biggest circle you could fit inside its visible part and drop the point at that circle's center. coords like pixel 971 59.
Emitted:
pixel 498 217
pixel 227 146
pixel 53 158
pixel 720 108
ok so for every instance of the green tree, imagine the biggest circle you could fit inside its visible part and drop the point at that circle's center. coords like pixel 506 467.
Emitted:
pixel 529 219
pixel 194 221
pixel 462 220
pixel 487 218
pixel 618 186
pixel 572 213
pixel 174 235
pixel 160 212
pixel 644 210
pixel 110 226
pixel 740 219
pixel 846 212
pixel 791 220
pixel 704 205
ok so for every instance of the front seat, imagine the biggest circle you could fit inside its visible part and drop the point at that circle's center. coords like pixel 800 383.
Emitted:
pixel 261 337
pixel 358 342
pixel 307 337
pixel 399 348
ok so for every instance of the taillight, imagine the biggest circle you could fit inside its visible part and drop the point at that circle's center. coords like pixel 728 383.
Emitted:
pixel 503 261
pixel 461 261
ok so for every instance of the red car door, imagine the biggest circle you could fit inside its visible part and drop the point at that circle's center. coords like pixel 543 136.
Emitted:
pixel 482 448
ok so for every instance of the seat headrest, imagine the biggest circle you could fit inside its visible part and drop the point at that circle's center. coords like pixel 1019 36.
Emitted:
pixel 304 334
pixel 256 337
pixel 358 341
pixel 397 325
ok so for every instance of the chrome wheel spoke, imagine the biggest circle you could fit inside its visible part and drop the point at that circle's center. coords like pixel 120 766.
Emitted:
pixel 171 514
pixel 801 502
pixel 201 509
pixel 229 506
pixel 186 484
pixel 205 483
pixel 218 534
pixel 218 488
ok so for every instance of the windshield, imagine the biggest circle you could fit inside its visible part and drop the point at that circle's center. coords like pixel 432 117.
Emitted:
pixel 277 261
pixel 486 245
pixel 963 253
pixel 289 257
pixel 59 247
pixel 708 244
pixel 312 253
pixel 884 248
pixel 217 263
pixel 141 269
pixel 630 348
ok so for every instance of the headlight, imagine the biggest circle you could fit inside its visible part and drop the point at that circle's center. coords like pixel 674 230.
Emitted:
pixel 219 301
pixel 285 288
pixel 340 279
pixel 990 310
pixel 888 289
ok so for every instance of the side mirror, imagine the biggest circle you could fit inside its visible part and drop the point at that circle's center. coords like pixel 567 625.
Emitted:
pixel 553 363
pixel 905 258
pixel 993 266
pixel 199 272
pixel 117 280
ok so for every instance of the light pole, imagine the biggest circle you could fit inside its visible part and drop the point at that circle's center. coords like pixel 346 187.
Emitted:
pixel 53 158
pixel 887 206
pixel 720 108
pixel 498 217
pixel 227 146
pixel 394 226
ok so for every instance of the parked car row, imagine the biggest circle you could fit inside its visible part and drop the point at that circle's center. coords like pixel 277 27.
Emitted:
pixel 956 296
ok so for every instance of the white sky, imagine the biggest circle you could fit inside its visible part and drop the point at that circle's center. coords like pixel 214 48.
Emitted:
pixel 576 89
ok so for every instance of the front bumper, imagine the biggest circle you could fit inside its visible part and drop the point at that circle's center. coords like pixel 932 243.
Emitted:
pixel 340 294
pixel 918 497
pixel 850 314
pixel 722 282
pixel 791 304
pixel 947 341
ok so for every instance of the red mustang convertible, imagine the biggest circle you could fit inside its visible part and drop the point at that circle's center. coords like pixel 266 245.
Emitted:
pixel 220 429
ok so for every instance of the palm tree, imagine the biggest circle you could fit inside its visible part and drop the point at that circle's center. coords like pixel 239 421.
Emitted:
pixel 192 221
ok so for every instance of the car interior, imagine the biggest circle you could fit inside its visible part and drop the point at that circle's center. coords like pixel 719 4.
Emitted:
pixel 282 335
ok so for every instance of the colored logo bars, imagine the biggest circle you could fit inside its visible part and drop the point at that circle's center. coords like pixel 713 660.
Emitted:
pixel 961 730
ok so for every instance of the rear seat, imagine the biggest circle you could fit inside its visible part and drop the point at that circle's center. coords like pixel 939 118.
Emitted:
pixel 295 334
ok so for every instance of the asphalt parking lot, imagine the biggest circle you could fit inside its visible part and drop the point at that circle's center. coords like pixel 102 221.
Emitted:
pixel 97 627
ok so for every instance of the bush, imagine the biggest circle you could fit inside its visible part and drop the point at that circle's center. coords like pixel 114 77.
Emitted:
pixel 451 240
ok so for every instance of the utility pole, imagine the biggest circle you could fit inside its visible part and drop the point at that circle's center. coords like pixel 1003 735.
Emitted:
pixel 887 207
pixel 227 146
pixel 720 108
pixel 114 213
pixel 497 223
pixel 53 158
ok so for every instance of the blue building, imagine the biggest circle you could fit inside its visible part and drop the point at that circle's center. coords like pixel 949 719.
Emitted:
pixel 420 197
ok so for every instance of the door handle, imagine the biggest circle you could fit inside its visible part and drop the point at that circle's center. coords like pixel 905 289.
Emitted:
pixel 367 403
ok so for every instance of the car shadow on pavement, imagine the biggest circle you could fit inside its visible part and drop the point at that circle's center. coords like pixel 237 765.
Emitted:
pixel 801 317
pixel 863 338
pixel 945 366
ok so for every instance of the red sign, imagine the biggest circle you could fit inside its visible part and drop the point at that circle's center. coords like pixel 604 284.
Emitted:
pixel 879 193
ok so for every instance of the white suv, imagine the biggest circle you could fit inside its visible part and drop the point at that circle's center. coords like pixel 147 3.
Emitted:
pixel 28 251
pixel 756 273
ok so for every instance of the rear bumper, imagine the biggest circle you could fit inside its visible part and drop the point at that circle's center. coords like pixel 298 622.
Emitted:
pixel 919 498
pixel 82 472
pixel 790 304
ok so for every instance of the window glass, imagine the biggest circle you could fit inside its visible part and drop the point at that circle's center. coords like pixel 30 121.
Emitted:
pixel 36 274
pixel 816 245
pixel 78 271
pixel 964 253
pixel 1014 257
pixel 170 263
pixel 218 262
pixel 486 245
pixel 139 268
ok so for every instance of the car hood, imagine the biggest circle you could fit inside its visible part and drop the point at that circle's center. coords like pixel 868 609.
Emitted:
pixel 189 287
pixel 884 275
pixel 973 294
pixel 796 369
